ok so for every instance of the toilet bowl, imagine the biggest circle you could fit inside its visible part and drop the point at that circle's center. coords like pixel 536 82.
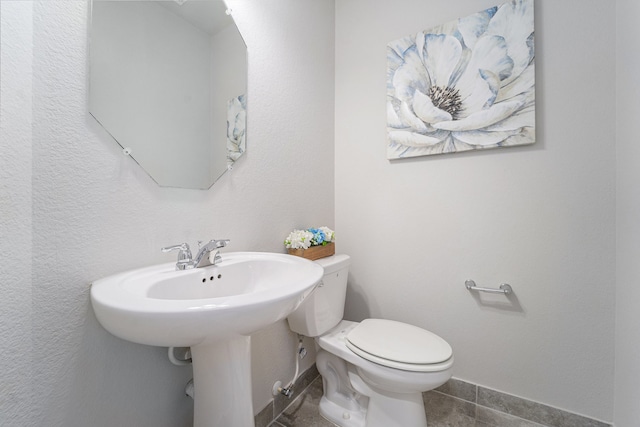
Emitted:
pixel 374 371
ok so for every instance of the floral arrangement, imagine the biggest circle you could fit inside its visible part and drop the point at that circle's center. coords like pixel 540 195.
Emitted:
pixel 304 239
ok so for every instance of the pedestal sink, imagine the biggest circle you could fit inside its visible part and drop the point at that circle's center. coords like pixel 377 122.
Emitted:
pixel 213 310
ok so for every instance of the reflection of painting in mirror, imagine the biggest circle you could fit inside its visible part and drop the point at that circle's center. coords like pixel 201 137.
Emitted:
pixel 236 124
pixel 465 85
pixel 162 74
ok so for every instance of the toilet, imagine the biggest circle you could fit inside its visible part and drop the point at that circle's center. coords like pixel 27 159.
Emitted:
pixel 373 371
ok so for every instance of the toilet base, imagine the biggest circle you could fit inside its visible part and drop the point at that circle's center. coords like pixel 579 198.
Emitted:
pixel 349 401
pixel 389 409
pixel 340 403
pixel 341 416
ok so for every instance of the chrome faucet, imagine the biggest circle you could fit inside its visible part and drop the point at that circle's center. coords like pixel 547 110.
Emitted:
pixel 202 258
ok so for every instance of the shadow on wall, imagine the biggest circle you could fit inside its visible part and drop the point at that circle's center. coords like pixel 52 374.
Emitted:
pixel 357 306
pixel 114 373
pixel 499 302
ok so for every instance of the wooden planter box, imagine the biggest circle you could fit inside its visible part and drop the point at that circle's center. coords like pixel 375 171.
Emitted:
pixel 315 252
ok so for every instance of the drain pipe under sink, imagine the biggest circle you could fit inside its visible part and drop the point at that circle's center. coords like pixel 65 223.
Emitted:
pixel 185 360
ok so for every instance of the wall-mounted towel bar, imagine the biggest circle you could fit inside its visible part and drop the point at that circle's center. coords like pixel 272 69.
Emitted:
pixel 504 288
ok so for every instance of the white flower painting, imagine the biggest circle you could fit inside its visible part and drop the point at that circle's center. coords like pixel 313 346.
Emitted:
pixel 465 85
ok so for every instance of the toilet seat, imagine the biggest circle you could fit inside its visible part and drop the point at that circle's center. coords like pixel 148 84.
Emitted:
pixel 398 345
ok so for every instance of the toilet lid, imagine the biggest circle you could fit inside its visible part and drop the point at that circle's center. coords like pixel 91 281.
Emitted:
pixel 395 344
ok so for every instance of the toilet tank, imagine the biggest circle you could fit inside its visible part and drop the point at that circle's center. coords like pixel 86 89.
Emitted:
pixel 324 308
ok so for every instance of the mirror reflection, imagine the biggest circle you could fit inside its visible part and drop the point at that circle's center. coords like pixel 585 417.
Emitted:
pixel 168 81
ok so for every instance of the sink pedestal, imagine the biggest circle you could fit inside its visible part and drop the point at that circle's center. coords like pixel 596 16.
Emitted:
pixel 222 383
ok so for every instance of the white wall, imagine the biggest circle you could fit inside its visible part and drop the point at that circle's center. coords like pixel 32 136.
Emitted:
pixel 541 218
pixel 15 213
pixel 627 384
pixel 95 212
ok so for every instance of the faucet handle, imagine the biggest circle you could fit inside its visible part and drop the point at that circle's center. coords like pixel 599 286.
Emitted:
pixel 182 247
pixel 184 254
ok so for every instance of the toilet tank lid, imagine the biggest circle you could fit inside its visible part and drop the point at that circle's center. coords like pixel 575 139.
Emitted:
pixel 334 263
pixel 399 342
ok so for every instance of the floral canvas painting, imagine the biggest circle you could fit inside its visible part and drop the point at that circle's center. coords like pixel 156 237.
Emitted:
pixel 465 85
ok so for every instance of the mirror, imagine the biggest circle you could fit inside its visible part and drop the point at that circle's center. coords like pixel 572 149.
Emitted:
pixel 168 81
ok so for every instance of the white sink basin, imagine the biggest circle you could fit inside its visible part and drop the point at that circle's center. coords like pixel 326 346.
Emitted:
pixel 213 310
pixel 245 292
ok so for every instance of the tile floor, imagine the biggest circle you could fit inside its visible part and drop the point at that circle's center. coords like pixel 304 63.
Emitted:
pixel 442 411
pixel 303 412
pixel 454 404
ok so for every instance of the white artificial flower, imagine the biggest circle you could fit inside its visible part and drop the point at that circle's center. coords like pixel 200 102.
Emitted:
pixel 328 233
pixel 298 239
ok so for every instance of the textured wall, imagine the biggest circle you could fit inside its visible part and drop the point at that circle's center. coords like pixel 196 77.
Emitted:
pixel 15 213
pixel 541 218
pixel 95 212
pixel 627 410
